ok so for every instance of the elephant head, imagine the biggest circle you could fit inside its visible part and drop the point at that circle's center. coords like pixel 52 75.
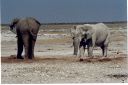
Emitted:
pixel 85 31
pixel 80 35
pixel 77 35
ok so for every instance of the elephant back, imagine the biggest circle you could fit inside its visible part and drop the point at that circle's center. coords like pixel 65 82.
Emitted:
pixel 32 23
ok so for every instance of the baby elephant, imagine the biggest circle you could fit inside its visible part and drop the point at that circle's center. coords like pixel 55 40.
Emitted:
pixel 26 30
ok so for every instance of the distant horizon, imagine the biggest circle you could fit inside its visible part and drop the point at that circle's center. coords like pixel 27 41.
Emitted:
pixel 75 23
pixel 65 11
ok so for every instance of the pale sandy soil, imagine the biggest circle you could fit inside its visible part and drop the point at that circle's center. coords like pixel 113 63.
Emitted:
pixel 54 62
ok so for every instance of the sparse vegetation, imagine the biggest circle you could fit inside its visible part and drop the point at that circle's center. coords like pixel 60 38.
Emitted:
pixel 54 62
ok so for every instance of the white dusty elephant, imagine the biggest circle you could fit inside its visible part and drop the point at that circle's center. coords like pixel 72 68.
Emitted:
pixel 90 36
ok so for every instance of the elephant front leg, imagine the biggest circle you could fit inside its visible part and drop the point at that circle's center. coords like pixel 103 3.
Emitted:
pixel 76 47
pixel 82 50
pixel 75 50
pixel 90 51
pixel 20 47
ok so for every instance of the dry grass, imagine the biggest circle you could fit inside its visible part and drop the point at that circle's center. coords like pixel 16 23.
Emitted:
pixel 55 41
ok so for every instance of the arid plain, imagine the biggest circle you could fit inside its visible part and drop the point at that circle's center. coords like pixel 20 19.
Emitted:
pixel 54 61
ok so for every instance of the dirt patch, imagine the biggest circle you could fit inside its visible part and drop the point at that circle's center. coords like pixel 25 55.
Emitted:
pixel 12 59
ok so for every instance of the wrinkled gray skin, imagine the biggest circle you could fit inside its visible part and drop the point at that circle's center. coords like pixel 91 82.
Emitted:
pixel 92 35
pixel 26 30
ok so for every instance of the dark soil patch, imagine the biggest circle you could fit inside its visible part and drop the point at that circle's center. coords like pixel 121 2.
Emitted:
pixel 12 59
pixel 118 75
pixel 105 59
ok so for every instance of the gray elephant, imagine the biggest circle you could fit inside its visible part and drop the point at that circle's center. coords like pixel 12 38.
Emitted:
pixel 26 30
pixel 93 35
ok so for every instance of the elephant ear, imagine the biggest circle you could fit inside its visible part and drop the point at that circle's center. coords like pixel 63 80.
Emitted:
pixel 13 23
pixel 38 22
pixel 73 31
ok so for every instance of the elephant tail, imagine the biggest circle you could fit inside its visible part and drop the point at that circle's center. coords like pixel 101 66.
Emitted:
pixel 34 36
pixel 107 41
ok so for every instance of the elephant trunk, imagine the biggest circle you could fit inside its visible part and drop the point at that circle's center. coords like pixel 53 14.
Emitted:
pixel 76 45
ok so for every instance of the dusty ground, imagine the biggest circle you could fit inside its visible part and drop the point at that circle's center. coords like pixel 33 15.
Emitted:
pixel 54 62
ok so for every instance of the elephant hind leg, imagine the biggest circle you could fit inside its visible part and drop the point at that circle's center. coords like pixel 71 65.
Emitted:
pixel 26 44
pixel 102 47
pixel 31 47
pixel 104 50
pixel 20 47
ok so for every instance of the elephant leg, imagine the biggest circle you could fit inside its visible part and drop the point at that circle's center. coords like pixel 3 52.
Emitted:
pixel 76 43
pixel 76 47
pixel 90 51
pixel 20 47
pixel 26 44
pixel 31 48
pixel 33 45
pixel 82 50
pixel 106 45
pixel 75 50
pixel 102 47
pixel 104 50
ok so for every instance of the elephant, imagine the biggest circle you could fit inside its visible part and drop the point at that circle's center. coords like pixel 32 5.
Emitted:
pixel 92 35
pixel 26 30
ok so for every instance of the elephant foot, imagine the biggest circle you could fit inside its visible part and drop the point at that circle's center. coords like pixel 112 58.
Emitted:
pixel 30 58
pixel 81 59
pixel 104 57
pixel 90 57
pixel 26 58
pixel 20 57
pixel 75 54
